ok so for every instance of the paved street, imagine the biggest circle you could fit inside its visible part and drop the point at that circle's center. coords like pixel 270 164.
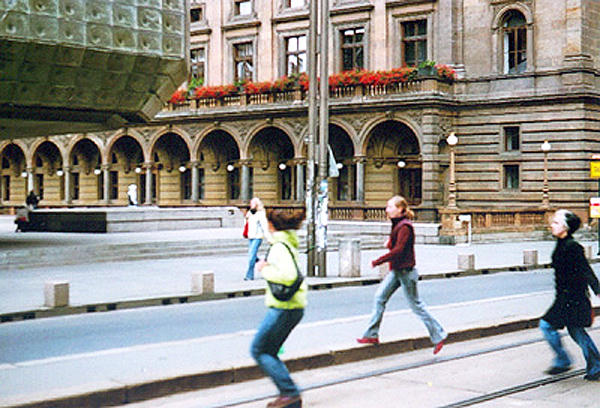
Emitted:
pixel 120 363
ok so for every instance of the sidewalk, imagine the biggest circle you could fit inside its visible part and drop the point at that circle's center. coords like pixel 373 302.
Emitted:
pixel 136 373
pixel 165 281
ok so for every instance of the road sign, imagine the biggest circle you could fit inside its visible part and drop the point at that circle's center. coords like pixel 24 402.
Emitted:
pixel 595 169
pixel 595 207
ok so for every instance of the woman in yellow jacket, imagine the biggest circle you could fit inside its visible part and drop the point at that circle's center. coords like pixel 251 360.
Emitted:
pixel 282 316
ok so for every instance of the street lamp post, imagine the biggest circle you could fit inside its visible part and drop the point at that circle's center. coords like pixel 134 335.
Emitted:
pixel 546 189
pixel 452 140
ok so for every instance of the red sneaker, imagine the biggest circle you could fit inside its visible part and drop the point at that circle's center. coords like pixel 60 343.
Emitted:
pixel 368 340
pixel 285 401
pixel 438 347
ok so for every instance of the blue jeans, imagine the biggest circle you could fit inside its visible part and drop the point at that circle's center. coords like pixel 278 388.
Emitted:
pixel 407 278
pixel 253 246
pixel 583 340
pixel 272 333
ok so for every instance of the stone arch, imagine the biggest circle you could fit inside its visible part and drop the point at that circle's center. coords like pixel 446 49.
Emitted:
pixel 255 131
pixel 231 132
pixel 368 129
pixel 125 133
pixel 13 161
pixel 344 185
pixel 171 129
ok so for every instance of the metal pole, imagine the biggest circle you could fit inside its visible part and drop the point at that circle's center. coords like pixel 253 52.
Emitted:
pixel 598 221
pixel 310 138
pixel 323 142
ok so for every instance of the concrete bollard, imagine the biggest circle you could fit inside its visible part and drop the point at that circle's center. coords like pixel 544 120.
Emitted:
pixel 466 262
pixel 588 251
pixel 530 257
pixel 56 293
pixel 203 282
pixel 349 257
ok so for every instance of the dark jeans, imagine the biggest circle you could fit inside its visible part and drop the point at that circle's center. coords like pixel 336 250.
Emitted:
pixel 272 333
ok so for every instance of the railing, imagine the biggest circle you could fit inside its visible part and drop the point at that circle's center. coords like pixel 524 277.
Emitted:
pixel 299 94
pixel 492 220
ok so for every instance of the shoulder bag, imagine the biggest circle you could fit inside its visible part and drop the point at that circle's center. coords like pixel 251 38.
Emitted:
pixel 282 292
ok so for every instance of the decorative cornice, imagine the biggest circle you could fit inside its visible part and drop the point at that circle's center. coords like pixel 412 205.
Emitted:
pixel 397 3
pixel 238 25
pixel 349 9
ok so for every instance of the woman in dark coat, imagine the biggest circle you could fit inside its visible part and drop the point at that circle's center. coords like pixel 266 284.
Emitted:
pixel 572 307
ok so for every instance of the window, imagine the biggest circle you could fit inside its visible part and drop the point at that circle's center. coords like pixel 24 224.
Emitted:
pixel 409 181
pixel 345 183
pixel 515 43
pixel 75 186
pixel 196 14
pixel 39 185
pixel 243 61
pixel 201 184
pixel 114 185
pixel 197 63
pixel 286 186
pixel 294 3
pixel 295 55
pixel 511 177
pixel 243 7
pixel 233 178
pixel 5 163
pixel 186 185
pixel 100 186
pixel 414 42
pixel 352 48
pixel 511 138
pixel 6 188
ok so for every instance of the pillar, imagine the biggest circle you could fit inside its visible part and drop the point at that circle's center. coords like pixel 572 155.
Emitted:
pixel 245 183
pixel 360 179
pixel 300 187
pixel 29 180
pixel 148 198
pixel 195 190
pixel 67 181
pixel 106 183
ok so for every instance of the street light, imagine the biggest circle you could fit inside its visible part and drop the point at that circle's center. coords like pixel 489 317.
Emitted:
pixel 452 141
pixel 546 189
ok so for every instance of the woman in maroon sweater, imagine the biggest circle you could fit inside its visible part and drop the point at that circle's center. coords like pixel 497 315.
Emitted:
pixel 401 257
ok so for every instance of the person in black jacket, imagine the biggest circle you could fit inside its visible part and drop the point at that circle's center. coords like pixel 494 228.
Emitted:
pixel 572 307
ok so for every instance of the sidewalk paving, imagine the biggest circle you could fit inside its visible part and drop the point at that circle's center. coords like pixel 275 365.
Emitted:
pixel 136 373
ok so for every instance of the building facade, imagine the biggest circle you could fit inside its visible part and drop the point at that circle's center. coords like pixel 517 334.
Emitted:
pixel 526 72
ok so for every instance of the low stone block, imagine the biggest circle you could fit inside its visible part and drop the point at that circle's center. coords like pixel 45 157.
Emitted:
pixel 203 282
pixel 466 262
pixel 530 257
pixel 589 251
pixel 349 257
pixel 56 293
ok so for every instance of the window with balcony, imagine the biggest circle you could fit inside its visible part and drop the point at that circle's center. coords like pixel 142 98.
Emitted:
pixel 242 7
pixel 198 64
pixel 295 54
pixel 352 48
pixel 511 177
pixel 514 36
pixel 414 42
pixel 512 138
pixel 243 60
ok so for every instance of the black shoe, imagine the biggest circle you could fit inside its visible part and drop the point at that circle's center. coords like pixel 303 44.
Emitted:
pixel 592 377
pixel 557 370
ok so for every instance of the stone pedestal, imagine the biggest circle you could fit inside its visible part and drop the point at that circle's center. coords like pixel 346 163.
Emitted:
pixel 349 257
pixel 530 257
pixel 466 262
pixel 203 282
pixel 56 293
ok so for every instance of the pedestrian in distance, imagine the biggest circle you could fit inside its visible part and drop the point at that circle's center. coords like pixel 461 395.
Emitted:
pixel 280 267
pixel 572 307
pixel 258 229
pixel 401 256
pixel 32 200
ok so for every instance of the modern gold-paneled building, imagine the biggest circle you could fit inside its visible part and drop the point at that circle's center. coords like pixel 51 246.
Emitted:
pixel 526 72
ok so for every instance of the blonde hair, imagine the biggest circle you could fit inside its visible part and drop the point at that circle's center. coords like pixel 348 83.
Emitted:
pixel 401 203
pixel 259 204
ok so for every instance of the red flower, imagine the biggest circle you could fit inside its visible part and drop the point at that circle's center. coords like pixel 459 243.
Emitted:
pixel 446 72
pixel 179 97
pixel 216 92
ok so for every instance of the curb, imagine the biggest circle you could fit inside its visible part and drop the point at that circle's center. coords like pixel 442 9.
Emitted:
pixel 190 298
pixel 143 391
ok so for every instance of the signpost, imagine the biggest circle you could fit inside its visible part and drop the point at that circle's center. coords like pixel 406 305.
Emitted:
pixel 595 201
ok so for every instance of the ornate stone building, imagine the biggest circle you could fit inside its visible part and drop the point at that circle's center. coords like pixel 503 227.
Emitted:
pixel 528 71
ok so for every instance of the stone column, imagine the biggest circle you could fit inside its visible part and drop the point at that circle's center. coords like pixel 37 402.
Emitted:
pixel 360 178
pixel 148 198
pixel 67 176
pixel 245 182
pixel 300 182
pixel 195 174
pixel 30 184
pixel 106 183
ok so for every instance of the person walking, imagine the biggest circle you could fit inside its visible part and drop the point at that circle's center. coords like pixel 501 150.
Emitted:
pixel 257 230
pixel 572 307
pixel 401 256
pixel 281 266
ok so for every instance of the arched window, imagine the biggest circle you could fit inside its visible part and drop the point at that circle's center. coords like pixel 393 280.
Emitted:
pixel 514 33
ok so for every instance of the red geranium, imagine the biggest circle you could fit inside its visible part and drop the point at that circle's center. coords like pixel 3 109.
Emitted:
pixel 179 97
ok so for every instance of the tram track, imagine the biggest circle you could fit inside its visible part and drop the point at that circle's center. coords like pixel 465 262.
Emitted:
pixel 486 397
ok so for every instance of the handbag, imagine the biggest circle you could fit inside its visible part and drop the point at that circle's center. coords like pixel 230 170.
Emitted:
pixel 245 231
pixel 282 292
